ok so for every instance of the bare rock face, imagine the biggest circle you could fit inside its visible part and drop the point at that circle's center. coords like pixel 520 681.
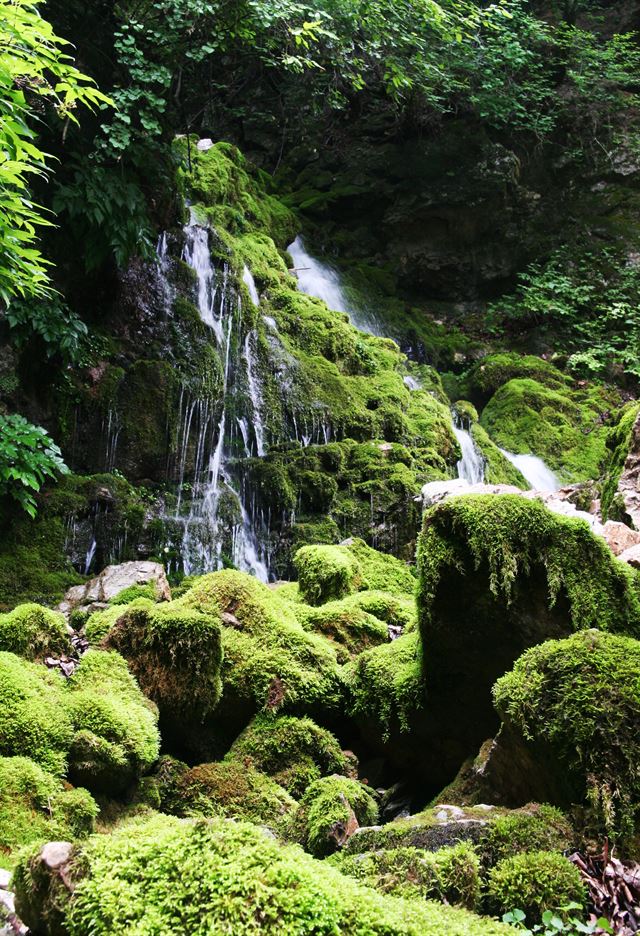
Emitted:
pixel 629 483
pixel 620 538
pixel 631 556
pixel 114 579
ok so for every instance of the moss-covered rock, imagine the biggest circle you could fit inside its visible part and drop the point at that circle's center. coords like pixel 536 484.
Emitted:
pixel 533 882
pixel 330 812
pixel 620 444
pixel 450 875
pixel 36 807
pixel 270 662
pixel 174 652
pixel 534 828
pixel 294 751
pixel 233 789
pixel 579 700
pixel 216 876
pixel 499 574
pixel 34 632
pixel 115 736
pixel 563 426
pixel 332 572
pixel 34 721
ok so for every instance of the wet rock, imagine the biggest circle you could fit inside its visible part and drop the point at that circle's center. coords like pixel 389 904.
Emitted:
pixel 95 593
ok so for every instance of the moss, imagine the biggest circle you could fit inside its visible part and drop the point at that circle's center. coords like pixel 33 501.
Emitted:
pixel 115 736
pixel 174 652
pixel 565 427
pixel 533 882
pixel 618 443
pixel 236 790
pixel 34 632
pixel 33 719
pixel 347 624
pixel 451 875
pixel 294 751
pixel 506 537
pixel 35 807
pixel 331 572
pixel 204 876
pixel 127 595
pixel 534 828
pixel 387 685
pixel 495 370
pixel 270 661
pixel 327 810
pixel 497 468
pixel 582 697
pixel 431 830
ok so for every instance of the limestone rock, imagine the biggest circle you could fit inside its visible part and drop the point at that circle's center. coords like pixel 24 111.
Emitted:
pixel 631 556
pixel 114 579
pixel 619 537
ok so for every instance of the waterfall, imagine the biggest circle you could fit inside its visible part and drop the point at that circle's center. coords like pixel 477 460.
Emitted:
pixel 534 470
pixel 250 283
pixel 217 510
pixel 411 383
pixel 471 465
pixel 322 281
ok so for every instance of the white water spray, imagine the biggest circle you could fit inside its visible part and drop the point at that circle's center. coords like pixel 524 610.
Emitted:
pixel 534 470
pixel 471 465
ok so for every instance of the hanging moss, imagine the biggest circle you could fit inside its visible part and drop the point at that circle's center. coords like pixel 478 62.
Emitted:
pixel 582 697
pixel 450 875
pixel 199 876
pixel 33 632
pixel 35 807
pixel 294 751
pixel 505 537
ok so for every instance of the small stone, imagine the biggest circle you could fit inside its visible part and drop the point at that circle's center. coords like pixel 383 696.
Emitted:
pixel 55 854
pixel 204 144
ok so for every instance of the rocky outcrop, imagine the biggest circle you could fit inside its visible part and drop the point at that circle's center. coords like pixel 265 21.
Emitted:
pixel 629 483
pixel 113 580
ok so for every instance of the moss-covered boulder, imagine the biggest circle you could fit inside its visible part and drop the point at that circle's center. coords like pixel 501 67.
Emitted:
pixel 533 882
pixel 537 827
pixel 33 632
pixel 270 661
pixel 228 788
pixel 497 575
pixel 174 652
pixel 215 876
pixel 34 721
pixel 331 572
pixel 571 710
pixel 451 875
pixel 36 807
pixel 331 810
pixel 115 737
pixel 294 751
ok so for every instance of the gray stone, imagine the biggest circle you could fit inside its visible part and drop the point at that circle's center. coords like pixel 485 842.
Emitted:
pixel 114 579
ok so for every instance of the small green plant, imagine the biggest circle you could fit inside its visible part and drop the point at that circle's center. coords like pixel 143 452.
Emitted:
pixel 59 329
pixel 554 922
pixel 28 457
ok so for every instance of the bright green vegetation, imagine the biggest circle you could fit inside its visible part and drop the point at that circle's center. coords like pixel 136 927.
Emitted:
pixel 294 751
pixel 97 725
pixel 329 810
pixel 174 652
pixel 618 445
pixel 562 426
pixel 33 632
pixel 535 828
pixel 170 875
pixel 581 697
pixel 386 683
pixel 28 458
pixel 332 572
pixel 115 728
pixel 495 370
pixel 232 789
pixel 450 875
pixel 269 660
pixel 534 881
pixel 35 807
pixel 505 537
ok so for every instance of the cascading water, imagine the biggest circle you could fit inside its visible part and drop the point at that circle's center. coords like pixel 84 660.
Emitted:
pixel 216 506
pixel 320 280
pixel 471 465
pixel 534 470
